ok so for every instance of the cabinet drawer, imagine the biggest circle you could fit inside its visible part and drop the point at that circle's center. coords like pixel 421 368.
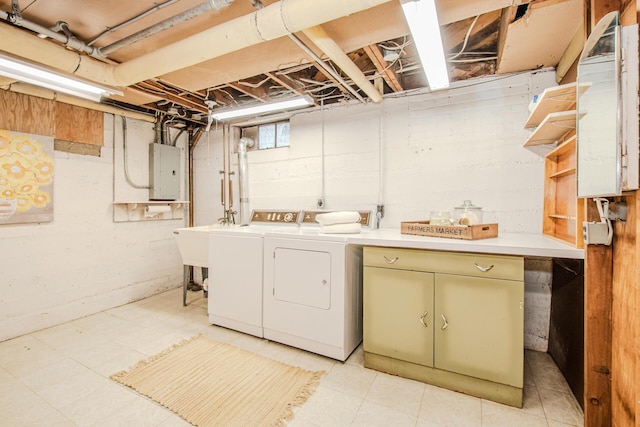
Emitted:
pixel 399 259
pixel 467 264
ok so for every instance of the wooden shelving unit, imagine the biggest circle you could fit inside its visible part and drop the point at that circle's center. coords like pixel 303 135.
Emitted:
pixel 554 100
pixel 563 212
pixel 554 119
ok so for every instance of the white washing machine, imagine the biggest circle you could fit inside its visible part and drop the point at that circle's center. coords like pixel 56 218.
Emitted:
pixel 235 270
pixel 312 295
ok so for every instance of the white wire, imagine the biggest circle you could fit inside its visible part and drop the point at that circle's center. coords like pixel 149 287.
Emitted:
pixel 466 39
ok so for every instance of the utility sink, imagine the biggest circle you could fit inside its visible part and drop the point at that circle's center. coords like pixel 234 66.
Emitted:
pixel 193 243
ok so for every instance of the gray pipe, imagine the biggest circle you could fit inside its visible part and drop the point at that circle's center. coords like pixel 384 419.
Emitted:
pixel 243 177
pixel 163 25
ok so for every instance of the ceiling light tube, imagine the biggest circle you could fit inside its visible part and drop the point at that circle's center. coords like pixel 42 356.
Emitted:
pixel 423 22
pixel 37 75
pixel 268 107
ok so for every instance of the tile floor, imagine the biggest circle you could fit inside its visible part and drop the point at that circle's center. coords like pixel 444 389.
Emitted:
pixel 60 377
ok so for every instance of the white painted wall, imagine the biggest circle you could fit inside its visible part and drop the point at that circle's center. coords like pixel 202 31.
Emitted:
pixel 435 150
pixel 83 262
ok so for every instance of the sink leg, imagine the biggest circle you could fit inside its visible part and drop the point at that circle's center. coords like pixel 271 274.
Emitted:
pixel 185 283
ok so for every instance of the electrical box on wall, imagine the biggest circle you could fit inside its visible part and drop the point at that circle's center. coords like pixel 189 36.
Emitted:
pixel 164 172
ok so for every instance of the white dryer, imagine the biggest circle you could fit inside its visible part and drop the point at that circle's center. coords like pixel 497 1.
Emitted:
pixel 235 270
pixel 312 295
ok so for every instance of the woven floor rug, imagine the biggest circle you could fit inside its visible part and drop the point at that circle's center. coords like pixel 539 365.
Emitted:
pixel 209 383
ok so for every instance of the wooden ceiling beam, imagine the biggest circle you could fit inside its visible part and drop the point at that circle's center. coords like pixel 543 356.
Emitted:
pixel 257 93
pixel 389 75
pixel 287 86
pixel 154 88
pixel 506 18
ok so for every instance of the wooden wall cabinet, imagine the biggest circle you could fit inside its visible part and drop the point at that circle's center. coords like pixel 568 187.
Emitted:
pixel 554 121
pixel 454 320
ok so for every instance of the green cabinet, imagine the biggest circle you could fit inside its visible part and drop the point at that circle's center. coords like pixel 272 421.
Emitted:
pixel 480 329
pixel 450 319
pixel 398 314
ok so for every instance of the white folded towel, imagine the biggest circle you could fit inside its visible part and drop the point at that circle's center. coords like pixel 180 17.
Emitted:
pixel 340 217
pixel 352 228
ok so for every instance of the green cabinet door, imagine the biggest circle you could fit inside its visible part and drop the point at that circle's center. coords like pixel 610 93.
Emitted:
pixel 398 314
pixel 479 327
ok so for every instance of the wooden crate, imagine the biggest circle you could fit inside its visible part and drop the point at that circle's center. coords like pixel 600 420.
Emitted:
pixel 465 232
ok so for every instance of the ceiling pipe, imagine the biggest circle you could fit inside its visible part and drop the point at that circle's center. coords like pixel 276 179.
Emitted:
pixel 276 20
pixel 271 22
pixel 326 68
pixel 321 39
pixel 144 14
pixel 163 25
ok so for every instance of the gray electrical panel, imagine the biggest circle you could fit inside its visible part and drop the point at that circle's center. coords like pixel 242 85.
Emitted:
pixel 164 172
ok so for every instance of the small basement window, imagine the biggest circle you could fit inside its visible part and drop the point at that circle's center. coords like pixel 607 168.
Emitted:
pixel 270 135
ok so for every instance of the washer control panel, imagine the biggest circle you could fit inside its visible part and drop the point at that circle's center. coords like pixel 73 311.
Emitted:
pixel 275 216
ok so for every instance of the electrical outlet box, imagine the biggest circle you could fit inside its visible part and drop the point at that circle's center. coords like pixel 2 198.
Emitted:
pixel 164 172
pixel 595 233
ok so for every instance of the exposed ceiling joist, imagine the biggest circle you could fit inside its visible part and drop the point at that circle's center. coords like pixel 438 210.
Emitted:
pixel 255 92
pixel 287 85
pixel 321 39
pixel 388 74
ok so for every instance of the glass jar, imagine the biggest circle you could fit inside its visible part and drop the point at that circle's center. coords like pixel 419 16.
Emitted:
pixel 467 214
pixel 440 218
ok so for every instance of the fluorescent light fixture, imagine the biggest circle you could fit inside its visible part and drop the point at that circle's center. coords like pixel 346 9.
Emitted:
pixel 39 76
pixel 422 18
pixel 289 104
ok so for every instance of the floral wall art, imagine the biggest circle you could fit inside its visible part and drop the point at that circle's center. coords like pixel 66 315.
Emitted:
pixel 26 178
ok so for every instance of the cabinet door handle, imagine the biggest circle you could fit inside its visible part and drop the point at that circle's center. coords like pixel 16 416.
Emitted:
pixel 390 261
pixel 481 268
pixel 445 324
pixel 425 314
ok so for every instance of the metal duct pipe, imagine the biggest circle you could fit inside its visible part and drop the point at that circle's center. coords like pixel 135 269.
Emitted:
pixel 63 38
pixel 243 179
pixel 163 25
pixel 276 20
pixel 321 39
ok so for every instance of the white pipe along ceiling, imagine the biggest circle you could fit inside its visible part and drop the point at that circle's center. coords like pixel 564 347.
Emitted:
pixel 273 21
pixel 243 52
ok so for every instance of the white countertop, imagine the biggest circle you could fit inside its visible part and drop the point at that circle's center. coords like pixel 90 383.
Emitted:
pixel 537 245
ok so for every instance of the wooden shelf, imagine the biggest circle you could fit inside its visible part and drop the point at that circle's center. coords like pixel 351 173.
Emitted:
pixel 566 147
pixel 553 128
pixel 567 217
pixel 148 210
pixel 554 100
pixel 563 172
pixel 563 211
pixel 554 118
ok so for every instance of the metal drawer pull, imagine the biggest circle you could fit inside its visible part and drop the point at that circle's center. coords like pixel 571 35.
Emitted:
pixel 390 261
pixel 425 314
pixel 483 269
pixel 445 324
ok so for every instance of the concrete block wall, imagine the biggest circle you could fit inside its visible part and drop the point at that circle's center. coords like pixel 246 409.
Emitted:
pixel 415 153
pixel 83 262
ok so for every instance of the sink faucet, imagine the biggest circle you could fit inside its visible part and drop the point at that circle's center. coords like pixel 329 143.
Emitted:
pixel 229 217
